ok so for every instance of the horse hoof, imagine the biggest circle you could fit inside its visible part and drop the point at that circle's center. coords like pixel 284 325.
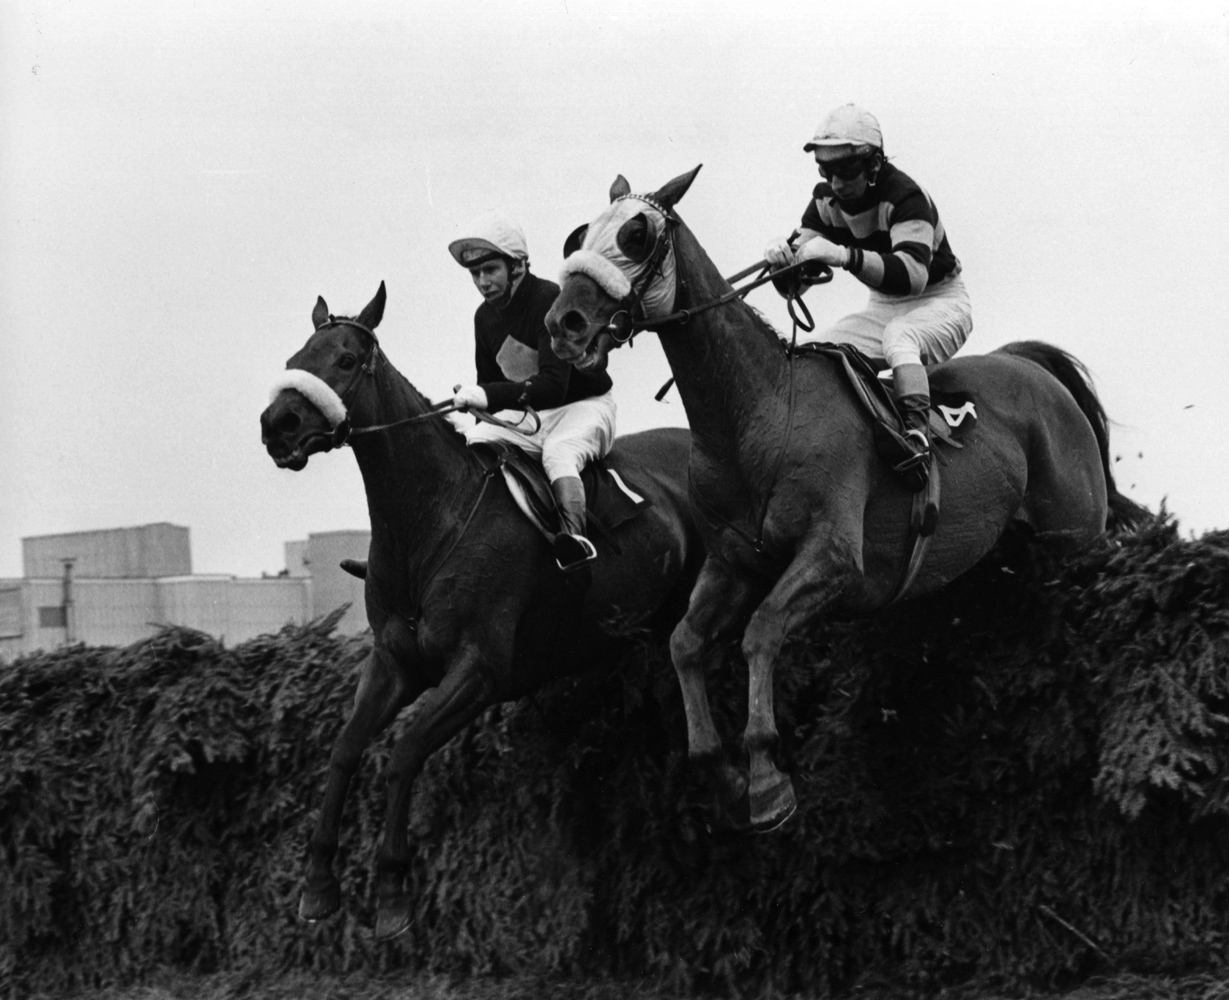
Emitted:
pixel 771 807
pixel 316 904
pixel 392 920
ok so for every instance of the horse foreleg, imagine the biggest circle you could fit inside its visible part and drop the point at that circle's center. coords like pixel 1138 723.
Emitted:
pixel 444 712
pixel 382 691
pixel 720 602
pixel 824 570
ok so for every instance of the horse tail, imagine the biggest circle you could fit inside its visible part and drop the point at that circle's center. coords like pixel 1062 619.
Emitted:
pixel 1076 379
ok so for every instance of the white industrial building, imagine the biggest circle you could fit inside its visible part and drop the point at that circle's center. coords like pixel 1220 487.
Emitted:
pixel 113 587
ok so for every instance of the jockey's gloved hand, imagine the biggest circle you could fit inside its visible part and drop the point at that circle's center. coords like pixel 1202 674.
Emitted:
pixel 779 253
pixel 824 251
pixel 472 397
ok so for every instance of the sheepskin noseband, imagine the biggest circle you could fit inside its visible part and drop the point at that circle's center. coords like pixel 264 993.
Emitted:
pixel 609 278
pixel 315 390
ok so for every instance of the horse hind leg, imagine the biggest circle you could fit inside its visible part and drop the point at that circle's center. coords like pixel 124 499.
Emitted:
pixel 822 572
pixel 1067 500
pixel 382 691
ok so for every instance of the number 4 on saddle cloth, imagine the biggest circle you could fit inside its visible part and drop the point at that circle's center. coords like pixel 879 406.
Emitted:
pixel 611 501
pixel 952 416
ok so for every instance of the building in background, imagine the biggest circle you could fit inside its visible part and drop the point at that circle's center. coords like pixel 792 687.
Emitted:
pixel 317 558
pixel 115 586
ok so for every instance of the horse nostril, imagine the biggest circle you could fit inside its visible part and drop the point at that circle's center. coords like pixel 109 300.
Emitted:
pixel 286 423
pixel 575 322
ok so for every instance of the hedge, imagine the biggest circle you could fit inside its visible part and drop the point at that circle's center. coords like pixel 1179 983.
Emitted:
pixel 1018 782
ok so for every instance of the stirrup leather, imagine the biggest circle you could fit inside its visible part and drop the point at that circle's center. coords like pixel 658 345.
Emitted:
pixel 573 551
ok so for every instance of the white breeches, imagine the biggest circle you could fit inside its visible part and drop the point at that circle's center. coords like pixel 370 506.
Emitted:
pixel 570 436
pixel 914 329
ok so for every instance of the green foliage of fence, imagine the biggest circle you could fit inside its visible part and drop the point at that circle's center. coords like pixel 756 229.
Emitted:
pixel 1021 780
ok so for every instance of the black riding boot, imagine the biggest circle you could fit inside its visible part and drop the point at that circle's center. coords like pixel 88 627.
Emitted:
pixel 355 567
pixel 572 549
pixel 912 390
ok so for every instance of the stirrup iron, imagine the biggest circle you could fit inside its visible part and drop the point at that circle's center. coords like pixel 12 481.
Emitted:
pixel 573 552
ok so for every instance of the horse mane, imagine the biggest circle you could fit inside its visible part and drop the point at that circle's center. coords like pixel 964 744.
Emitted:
pixel 765 321
pixel 698 255
pixel 420 401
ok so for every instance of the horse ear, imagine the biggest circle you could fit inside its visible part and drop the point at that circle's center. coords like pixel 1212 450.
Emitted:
pixel 320 315
pixel 672 192
pixel 373 312
pixel 619 188
pixel 575 239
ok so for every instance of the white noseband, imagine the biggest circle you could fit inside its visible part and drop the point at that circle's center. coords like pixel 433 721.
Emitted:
pixel 315 390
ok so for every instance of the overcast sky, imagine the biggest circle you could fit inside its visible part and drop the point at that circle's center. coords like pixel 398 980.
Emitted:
pixel 179 181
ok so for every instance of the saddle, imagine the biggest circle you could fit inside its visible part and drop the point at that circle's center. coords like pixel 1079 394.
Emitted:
pixel 609 499
pixel 876 397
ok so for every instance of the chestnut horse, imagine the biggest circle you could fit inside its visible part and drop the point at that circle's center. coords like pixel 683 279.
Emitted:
pixel 465 601
pixel 801 518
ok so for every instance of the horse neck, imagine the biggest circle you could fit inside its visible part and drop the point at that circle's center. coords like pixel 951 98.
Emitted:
pixel 414 474
pixel 727 361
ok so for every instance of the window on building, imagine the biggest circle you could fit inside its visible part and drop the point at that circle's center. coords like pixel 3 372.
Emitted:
pixel 10 612
pixel 53 616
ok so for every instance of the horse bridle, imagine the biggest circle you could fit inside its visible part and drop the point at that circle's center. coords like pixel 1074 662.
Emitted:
pixel 344 429
pixel 623 325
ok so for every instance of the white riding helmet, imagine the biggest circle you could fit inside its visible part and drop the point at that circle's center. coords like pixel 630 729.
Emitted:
pixel 847 131
pixel 491 234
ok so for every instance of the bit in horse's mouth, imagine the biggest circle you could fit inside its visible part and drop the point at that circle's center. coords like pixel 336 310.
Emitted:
pixel 296 458
pixel 295 461
pixel 589 358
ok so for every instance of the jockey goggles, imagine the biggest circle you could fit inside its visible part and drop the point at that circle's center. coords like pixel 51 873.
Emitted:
pixel 846 170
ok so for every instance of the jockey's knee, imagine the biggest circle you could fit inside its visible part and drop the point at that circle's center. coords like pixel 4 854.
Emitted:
pixel 561 463
pixel 902 347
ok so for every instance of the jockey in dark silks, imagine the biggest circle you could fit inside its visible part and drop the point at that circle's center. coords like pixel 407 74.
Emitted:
pixel 516 368
pixel 871 219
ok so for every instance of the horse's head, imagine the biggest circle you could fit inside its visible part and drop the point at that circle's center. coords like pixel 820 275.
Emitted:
pixel 618 270
pixel 310 404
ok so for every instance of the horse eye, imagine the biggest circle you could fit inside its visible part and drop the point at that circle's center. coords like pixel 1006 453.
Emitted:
pixel 635 238
pixel 346 362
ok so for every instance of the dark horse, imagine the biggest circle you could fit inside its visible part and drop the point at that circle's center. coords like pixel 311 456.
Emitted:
pixel 463 596
pixel 800 516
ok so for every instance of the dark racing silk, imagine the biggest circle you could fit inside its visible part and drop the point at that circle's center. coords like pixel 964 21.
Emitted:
pixel 896 219
pixel 512 353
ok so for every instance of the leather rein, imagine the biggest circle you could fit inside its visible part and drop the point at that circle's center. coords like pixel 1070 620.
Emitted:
pixel 622 331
